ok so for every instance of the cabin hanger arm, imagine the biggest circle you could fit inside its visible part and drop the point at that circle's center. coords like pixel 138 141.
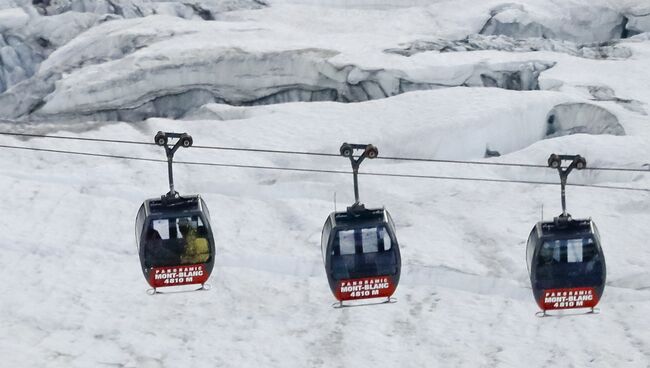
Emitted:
pixel 347 150
pixel 162 139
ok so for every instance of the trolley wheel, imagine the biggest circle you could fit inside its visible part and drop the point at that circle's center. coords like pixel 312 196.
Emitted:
pixel 581 163
pixel 186 140
pixel 160 139
pixel 346 150
pixel 554 161
pixel 371 151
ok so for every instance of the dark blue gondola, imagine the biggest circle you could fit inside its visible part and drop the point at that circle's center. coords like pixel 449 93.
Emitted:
pixel 565 259
pixel 360 249
pixel 173 232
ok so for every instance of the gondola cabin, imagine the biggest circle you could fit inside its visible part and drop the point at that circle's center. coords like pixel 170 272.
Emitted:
pixel 361 254
pixel 175 241
pixel 566 264
pixel 565 259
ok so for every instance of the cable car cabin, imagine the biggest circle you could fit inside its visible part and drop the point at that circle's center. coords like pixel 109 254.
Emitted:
pixel 175 241
pixel 566 264
pixel 361 254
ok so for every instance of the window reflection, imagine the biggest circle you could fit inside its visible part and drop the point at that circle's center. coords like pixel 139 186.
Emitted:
pixel 176 241
pixel 363 252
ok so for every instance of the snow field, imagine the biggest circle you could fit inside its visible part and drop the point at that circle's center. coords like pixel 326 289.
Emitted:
pixel 72 291
pixel 76 294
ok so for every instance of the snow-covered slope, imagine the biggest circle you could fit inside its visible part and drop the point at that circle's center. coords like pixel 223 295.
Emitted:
pixel 470 81
pixel 76 295
pixel 291 51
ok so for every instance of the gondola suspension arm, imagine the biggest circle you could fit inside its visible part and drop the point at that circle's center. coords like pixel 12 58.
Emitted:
pixel 162 139
pixel 555 162
pixel 347 150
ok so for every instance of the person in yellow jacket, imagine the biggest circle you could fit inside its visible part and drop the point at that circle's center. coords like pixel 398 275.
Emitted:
pixel 197 249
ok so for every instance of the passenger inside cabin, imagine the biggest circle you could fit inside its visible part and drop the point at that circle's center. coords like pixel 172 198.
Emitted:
pixel 156 254
pixel 197 249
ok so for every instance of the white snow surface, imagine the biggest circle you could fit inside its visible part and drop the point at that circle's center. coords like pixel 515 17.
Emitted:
pixel 74 296
pixel 282 51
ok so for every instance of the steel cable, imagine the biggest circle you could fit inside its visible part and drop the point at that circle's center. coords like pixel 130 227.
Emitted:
pixel 295 169
pixel 322 154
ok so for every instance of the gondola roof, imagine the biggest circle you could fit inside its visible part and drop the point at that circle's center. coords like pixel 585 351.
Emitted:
pixel 565 228
pixel 158 206
pixel 362 216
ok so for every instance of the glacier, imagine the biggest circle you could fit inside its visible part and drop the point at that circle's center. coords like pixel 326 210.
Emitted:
pixel 491 81
pixel 44 62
